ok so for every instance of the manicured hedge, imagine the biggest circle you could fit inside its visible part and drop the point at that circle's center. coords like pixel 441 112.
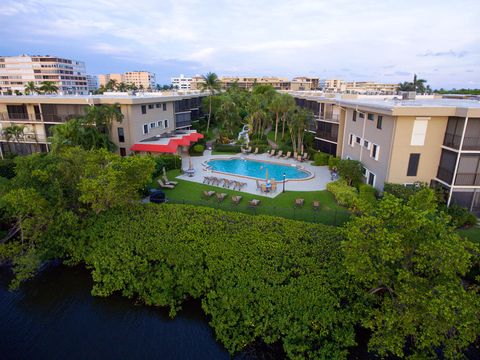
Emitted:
pixel 226 148
pixel 321 159
pixel 170 162
pixel 344 194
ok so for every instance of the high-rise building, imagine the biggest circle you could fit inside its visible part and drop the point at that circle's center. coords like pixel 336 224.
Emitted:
pixel 92 83
pixel 141 79
pixel 181 82
pixel 16 71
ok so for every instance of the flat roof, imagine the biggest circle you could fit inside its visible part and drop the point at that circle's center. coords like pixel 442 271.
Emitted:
pixel 97 99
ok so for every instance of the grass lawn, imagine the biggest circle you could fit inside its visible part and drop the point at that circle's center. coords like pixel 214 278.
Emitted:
pixel 472 233
pixel 283 205
pixel 271 136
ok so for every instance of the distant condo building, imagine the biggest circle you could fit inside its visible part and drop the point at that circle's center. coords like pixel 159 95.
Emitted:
pixel 247 82
pixel 16 71
pixel 92 83
pixel 181 82
pixel 358 87
pixel 141 79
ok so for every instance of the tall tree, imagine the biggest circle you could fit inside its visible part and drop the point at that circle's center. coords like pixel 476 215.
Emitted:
pixel 211 83
pixel 410 264
pixel 15 133
pixel 276 107
pixel 287 105
pixel 297 124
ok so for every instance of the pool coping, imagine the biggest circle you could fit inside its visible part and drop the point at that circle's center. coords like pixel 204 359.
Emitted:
pixel 207 167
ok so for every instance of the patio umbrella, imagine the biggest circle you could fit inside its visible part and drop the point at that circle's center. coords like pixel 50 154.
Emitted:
pixel 266 176
pixel 190 166
pixel 302 149
pixel 164 171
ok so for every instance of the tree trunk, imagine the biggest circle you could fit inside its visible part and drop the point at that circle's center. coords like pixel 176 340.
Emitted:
pixel 283 127
pixel 276 126
pixel 209 112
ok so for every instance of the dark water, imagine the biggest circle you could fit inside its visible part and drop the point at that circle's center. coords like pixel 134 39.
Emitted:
pixel 55 317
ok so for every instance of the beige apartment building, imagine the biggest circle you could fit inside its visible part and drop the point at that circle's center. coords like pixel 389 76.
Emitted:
pixel 146 118
pixel 425 140
pixel 302 83
pixel 244 82
pixel 370 87
pixel 16 71
pixel 141 79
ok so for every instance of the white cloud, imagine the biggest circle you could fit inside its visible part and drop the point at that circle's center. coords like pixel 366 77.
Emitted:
pixel 377 40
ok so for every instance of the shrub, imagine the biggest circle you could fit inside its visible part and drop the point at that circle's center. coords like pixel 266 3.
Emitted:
pixel 333 162
pixel 402 191
pixel 169 162
pixel 7 168
pixel 227 148
pixel 321 159
pixel 351 171
pixel 461 217
pixel 344 194
pixel 198 148
pixel 367 192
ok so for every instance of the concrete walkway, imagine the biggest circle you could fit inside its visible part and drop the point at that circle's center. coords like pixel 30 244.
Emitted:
pixel 321 174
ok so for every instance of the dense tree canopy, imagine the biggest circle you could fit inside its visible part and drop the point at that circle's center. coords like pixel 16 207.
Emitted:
pixel 410 264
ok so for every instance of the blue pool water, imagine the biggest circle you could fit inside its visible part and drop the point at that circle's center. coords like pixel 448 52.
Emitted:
pixel 257 169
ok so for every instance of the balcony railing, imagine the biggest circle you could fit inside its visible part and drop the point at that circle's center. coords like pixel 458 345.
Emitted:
pixel 445 175
pixel 469 142
pixel 312 126
pixel 467 179
pixel 329 117
pixel 36 118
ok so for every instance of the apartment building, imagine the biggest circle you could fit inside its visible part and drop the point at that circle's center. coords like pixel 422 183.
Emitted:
pixel 16 71
pixel 92 83
pixel 370 87
pixel 141 79
pixel 303 83
pixel 149 119
pixel 244 82
pixel 333 86
pixel 181 82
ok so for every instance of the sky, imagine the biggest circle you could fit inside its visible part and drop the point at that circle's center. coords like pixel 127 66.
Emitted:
pixel 385 41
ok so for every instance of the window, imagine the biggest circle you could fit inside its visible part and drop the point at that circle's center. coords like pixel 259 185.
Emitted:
pixel 123 152
pixel 379 122
pixel 166 123
pixel 151 106
pixel 354 118
pixel 371 179
pixel 164 106
pixel 413 164
pixel 375 150
pixel 145 129
pixel 358 140
pixel 361 115
pixel 121 135
pixel 366 144
pixel 350 140
pixel 371 117
pixel 144 109
pixel 364 172
pixel 153 125
pixel 160 123
pixel 158 106
pixel 419 132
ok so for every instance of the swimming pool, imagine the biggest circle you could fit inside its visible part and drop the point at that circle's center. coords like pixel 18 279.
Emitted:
pixel 257 169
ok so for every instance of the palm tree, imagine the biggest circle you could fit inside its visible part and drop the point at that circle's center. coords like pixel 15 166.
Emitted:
pixel 406 86
pixel 419 84
pixel 211 84
pixel 288 103
pixel 15 132
pixel 48 87
pixel 31 88
pixel 228 114
pixel 111 85
pixel 276 107
pixel 103 116
pixel 297 125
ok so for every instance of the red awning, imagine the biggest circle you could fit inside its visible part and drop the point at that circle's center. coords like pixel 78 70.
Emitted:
pixel 170 147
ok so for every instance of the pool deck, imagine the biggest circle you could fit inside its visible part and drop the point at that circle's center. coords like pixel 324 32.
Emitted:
pixel 319 181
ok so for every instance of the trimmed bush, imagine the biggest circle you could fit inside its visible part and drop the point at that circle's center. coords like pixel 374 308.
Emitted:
pixel 402 191
pixel 198 149
pixel 344 194
pixel 333 162
pixel 226 148
pixel 170 162
pixel 368 193
pixel 320 159
pixel 350 171
pixel 461 217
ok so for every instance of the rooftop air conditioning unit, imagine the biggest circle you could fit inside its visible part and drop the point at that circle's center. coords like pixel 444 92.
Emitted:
pixel 408 95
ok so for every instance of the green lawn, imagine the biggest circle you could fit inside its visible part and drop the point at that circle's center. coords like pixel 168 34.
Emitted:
pixel 283 205
pixel 472 233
